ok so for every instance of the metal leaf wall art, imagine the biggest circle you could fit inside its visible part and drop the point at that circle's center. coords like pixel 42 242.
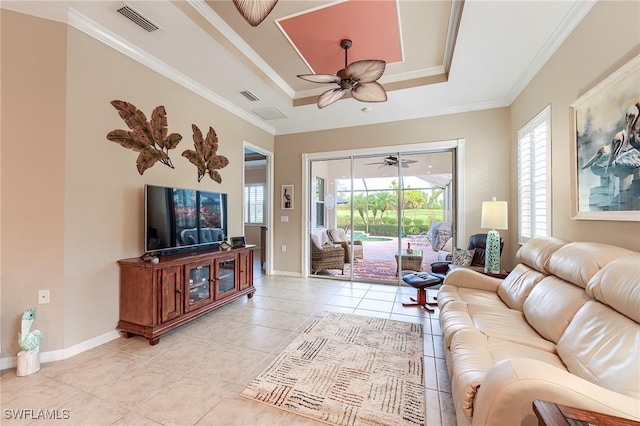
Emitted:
pixel 150 139
pixel 205 157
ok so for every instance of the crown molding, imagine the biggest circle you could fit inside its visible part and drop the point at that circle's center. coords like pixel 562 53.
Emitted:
pixel 98 32
pixel 578 11
pixel 314 126
pixel 225 29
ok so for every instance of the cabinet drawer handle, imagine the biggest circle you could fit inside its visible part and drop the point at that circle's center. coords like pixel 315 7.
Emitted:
pixel 179 290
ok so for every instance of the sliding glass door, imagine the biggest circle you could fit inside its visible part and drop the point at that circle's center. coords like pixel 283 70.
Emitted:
pixel 383 211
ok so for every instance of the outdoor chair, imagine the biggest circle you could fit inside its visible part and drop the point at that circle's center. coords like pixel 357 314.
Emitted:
pixel 339 236
pixel 423 238
pixel 325 257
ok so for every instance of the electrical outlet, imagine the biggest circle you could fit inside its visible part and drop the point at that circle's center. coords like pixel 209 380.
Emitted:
pixel 43 297
pixel 284 248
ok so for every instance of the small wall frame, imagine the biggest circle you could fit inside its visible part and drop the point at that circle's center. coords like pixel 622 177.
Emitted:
pixel 287 197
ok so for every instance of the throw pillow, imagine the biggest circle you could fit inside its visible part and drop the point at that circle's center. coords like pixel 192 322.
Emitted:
pixel 315 240
pixel 463 257
pixel 444 256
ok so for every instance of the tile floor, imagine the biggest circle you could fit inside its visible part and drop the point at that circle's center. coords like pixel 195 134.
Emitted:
pixel 195 375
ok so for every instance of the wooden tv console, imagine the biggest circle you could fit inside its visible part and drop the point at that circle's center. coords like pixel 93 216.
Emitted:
pixel 158 297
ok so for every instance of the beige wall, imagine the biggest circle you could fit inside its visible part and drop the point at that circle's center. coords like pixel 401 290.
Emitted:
pixel 33 163
pixel 607 38
pixel 486 135
pixel 75 202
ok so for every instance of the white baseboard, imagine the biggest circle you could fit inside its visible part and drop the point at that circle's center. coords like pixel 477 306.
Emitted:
pixel 287 273
pixel 60 354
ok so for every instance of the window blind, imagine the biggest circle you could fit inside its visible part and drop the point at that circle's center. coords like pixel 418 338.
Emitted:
pixel 254 203
pixel 534 177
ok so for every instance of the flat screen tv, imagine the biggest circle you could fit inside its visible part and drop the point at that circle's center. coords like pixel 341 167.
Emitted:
pixel 178 220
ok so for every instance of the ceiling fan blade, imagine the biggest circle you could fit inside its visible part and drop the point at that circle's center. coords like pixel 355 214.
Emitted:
pixel 330 96
pixel 254 11
pixel 365 71
pixel 369 92
pixel 320 78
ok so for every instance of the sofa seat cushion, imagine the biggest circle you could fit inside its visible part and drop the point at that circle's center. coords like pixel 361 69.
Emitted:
pixel 504 323
pixel 603 346
pixel 473 354
pixel 451 293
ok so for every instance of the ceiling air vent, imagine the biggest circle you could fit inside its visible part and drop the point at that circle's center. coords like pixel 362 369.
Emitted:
pixel 247 94
pixel 135 17
pixel 271 113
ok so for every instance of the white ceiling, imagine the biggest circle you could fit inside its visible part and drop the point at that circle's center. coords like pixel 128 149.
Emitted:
pixel 500 46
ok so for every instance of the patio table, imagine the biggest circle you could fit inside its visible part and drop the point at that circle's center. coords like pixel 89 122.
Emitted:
pixel 410 260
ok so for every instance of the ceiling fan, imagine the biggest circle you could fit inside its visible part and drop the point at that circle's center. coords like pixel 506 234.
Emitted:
pixel 359 78
pixel 254 11
pixel 393 162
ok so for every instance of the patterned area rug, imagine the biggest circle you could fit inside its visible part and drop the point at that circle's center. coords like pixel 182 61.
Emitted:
pixel 349 370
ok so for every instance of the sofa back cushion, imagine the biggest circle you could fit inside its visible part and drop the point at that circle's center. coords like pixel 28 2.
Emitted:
pixel 618 286
pixel 551 305
pixel 578 262
pixel 602 343
pixel 536 252
pixel 515 289
pixel 603 346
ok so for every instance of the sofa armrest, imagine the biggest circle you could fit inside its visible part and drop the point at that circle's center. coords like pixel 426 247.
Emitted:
pixel 511 385
pixel 468 278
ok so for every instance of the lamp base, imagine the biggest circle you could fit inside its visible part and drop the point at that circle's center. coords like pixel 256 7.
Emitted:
pixel 492 253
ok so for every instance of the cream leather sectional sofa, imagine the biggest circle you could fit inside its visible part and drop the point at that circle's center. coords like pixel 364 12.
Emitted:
pixel 562 327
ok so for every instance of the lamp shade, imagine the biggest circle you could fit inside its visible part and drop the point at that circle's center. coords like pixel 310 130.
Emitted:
pixel 494 215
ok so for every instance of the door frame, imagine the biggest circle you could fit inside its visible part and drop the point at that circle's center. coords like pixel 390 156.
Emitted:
pixel 457 145
pixel 269 201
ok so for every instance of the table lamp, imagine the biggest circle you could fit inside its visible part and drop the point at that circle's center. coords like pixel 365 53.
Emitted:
pixel 494 216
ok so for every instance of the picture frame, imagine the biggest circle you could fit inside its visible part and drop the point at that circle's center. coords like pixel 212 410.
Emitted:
pixel 605 148
pixel 237 242
pixel 287 197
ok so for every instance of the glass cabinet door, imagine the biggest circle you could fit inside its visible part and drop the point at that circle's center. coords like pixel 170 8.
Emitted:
pixel 225 277
pixel 199 285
